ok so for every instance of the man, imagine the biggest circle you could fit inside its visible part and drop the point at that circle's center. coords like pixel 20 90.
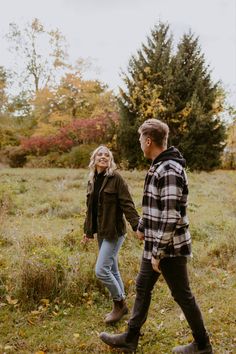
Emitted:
pixel 164 227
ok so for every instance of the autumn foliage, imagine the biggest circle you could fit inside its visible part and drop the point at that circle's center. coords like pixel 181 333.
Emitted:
pixel 81 131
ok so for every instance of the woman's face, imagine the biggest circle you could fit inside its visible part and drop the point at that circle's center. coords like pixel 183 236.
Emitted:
pixel 102 160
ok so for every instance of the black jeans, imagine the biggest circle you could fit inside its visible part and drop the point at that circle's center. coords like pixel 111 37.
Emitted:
pixel 174 271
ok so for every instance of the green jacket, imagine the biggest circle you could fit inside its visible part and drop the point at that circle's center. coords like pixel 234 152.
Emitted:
pixel 114 202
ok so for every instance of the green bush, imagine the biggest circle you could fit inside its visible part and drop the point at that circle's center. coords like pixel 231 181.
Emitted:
pixel 78 157
pixel 46 161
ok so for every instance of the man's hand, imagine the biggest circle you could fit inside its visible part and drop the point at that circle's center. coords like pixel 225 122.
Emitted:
pixel 156 265
pixel 140 235
pixel 85 239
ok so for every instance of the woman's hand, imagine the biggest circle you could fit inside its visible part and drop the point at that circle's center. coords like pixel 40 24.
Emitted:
pixel 140 235
pixel 85 239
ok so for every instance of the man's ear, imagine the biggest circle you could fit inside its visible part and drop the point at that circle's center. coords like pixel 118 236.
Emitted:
pixel 148 141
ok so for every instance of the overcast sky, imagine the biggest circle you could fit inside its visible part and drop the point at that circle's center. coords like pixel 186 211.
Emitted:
pixel 110 31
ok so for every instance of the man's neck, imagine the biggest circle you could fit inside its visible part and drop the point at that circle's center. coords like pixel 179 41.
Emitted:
pixel 156 152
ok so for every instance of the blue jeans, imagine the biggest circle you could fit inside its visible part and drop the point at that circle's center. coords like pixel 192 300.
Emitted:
pixel 107 269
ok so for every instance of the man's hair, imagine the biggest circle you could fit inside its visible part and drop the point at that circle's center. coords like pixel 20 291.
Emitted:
pixel 156 130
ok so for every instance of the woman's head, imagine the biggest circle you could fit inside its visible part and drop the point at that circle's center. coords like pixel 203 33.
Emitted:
pixel 101 160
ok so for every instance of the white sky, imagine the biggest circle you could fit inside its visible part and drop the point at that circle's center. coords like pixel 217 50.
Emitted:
pixel 110 31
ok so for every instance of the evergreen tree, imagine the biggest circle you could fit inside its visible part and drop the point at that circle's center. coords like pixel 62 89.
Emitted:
pixel 177 89
pixel 146 85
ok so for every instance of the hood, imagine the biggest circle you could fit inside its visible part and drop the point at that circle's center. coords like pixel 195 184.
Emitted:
pixel 170 154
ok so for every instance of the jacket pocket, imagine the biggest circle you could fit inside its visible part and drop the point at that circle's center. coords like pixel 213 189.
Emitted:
pixel 109 196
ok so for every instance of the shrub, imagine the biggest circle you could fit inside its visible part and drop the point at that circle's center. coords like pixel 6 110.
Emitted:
pixel 78 157
pixel 80 131
pixel 16 156
pixel 42 274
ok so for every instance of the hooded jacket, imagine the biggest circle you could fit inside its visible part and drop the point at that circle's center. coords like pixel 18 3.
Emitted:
pixel 164 220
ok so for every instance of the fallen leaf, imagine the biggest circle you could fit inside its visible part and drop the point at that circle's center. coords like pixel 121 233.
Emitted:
pixel 30 321
pixel 11 301
pixel 45 302
pixel 35 312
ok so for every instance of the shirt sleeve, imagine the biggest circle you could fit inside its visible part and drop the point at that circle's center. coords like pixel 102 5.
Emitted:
pixel 170 191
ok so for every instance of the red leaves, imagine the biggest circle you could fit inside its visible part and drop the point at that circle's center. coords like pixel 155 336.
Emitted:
pixel 80 131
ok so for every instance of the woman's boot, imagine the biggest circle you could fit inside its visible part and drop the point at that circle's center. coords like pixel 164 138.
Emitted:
pixel 119 310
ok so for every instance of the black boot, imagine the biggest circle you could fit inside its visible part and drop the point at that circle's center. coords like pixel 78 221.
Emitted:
pixel 127 341
pixel 119 310
pixel 193 348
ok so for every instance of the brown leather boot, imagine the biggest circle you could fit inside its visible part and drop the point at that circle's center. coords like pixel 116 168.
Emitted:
pixel 127 341
pixel 119 310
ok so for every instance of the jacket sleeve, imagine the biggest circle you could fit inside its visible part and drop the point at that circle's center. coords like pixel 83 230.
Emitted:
pixel 170 191
pixel 126 204
pixel 88 217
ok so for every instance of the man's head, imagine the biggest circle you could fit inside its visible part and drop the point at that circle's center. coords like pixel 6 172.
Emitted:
pixel 153 137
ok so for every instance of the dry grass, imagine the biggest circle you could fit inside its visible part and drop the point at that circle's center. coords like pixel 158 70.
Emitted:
pixel 49 297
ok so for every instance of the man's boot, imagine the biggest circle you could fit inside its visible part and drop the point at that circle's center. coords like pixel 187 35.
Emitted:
pixel 193 348
pixel 119 310
pixel 127 342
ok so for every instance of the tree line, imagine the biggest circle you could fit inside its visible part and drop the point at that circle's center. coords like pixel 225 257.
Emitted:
pixel 51 115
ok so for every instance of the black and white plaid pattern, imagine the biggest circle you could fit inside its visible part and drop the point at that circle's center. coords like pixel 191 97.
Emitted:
pixel 164 220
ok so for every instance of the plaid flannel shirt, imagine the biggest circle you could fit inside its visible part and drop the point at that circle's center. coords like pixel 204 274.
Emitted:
pixel 164 221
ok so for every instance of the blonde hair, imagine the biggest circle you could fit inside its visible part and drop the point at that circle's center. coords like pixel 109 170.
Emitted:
pixel 157 130
pixel 111 164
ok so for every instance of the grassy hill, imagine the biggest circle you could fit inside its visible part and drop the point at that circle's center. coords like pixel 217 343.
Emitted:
pixel 50 300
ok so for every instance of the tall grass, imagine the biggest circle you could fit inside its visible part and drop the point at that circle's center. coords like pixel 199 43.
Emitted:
pixel 50 299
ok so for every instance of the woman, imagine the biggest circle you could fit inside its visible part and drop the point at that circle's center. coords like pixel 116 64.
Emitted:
pixel 108 198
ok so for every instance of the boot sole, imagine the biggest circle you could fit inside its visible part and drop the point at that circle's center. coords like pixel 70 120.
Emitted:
pixel 125 350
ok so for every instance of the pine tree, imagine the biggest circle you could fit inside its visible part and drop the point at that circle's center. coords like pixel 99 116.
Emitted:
pixel 198 131
pixel 146 86
pixel 176 88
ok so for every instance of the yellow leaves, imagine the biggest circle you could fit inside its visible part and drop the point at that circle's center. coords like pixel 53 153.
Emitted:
pixel 147 70
pixel 8 347
pixel 45 302
pixel 231 141
pixel 59 119
pixel 35 315
pixel 45 129
pixel 40 352
pixel 76 335
pixel 29 320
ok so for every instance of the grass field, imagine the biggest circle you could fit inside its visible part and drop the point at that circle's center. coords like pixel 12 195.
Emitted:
pixel 50 301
